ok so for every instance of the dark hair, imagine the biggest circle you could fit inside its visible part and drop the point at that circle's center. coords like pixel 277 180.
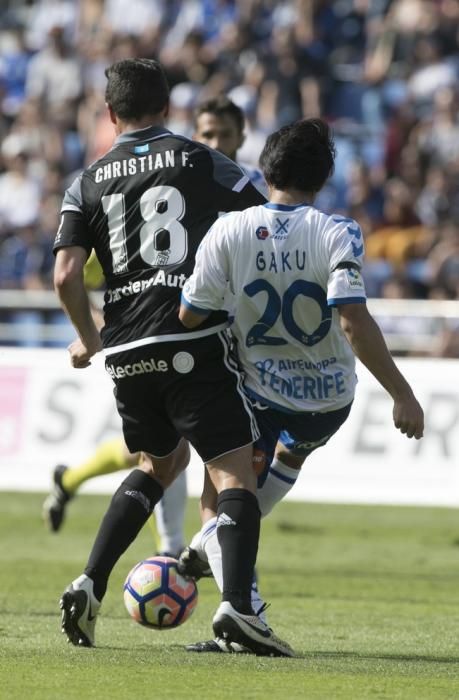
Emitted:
pixel 300 155
pixel 221 105
pixel 136 87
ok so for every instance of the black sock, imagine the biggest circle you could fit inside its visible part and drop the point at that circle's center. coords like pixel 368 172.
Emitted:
pixel 238 530
pixel 128 511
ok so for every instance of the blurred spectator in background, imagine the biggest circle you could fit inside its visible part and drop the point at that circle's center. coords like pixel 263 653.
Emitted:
pixel 401 234
pixel 443 262
pixel 183 100
pixel 384 73
pixel 54 73
pixel 19 193
pixel 14 63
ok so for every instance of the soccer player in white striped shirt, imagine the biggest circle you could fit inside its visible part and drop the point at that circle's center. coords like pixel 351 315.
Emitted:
pixel 293 275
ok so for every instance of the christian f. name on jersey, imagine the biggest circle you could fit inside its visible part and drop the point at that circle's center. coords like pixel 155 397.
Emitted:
pixel 144 208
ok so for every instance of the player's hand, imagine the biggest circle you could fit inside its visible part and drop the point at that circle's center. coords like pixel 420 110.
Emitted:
pixel 81 353
pixel 409 416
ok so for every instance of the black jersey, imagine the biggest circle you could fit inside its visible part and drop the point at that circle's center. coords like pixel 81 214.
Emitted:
pixel 144 208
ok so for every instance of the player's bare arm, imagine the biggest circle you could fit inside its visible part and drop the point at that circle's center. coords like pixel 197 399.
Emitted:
pixel 367 341
pixel 190 318
pixel 69 285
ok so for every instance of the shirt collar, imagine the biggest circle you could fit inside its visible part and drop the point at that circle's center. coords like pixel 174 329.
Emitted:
pixel 149 132
pixel 285 207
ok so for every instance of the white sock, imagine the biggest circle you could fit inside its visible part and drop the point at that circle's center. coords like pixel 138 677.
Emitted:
pixel 206 541
pixel 278 483
pixel 170 514
pixel 257 602
pixel 212 550
pixel 200 537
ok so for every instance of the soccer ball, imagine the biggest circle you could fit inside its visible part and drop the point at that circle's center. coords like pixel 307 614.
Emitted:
pixel 157 596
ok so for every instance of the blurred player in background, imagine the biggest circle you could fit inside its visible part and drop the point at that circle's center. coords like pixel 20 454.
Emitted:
pixel 294 276
pixel 145 207
pixel 219 123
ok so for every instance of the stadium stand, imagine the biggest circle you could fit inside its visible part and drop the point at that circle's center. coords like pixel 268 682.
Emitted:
pixel 383 73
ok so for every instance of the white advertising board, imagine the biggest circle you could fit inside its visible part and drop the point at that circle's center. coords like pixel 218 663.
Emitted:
pixel 51 413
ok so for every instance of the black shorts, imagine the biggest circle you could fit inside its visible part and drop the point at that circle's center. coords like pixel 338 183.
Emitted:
pixel 188 389
pixel 300 433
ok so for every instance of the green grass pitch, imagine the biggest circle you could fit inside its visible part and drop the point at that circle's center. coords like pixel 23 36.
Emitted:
pixel 367 596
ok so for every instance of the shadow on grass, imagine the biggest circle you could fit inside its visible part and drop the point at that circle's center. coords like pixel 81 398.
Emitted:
pixel 310 655
pixel 362 574
pixel 302 528
pixel 353 655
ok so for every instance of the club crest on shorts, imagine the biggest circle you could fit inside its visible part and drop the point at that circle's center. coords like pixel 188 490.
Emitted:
pixel 183 362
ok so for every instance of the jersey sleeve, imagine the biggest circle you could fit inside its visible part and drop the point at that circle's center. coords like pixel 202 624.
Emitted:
pixel 233 189
pixel 345 282
pixel 73 228
pixel 205 290
pixel 256 178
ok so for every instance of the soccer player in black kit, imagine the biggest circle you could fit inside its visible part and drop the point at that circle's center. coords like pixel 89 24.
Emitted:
pixel 144 208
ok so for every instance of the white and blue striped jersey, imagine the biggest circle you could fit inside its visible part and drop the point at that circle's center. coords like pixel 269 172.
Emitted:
pixel 285 269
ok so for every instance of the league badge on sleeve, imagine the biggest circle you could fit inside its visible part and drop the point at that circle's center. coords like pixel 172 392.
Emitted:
pixel 354 279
